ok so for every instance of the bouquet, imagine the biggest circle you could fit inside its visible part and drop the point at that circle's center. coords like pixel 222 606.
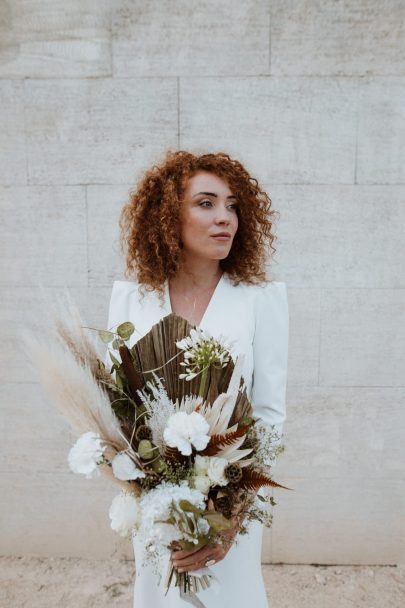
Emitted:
pixel 170 421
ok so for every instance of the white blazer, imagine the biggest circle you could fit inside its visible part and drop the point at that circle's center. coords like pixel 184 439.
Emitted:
pixel 254 317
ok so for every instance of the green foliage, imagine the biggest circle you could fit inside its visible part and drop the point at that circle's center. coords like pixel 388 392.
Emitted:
pixel 105 335
pixel 146 450
pixel 187 506
pixel 217 521
pixel 125 330
pixel 115 361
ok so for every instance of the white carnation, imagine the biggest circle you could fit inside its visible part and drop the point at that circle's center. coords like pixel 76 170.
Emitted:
pixel 216 466
pixel 86 454
pixel 124 467
pixel 124 513
pixel 186 430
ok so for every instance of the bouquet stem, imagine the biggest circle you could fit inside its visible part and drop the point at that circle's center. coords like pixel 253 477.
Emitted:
pixel 189 585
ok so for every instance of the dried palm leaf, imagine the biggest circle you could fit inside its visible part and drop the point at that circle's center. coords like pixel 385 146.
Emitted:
pixel 157 352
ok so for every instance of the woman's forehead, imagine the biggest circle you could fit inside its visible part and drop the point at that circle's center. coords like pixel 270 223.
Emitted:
pixel 203 181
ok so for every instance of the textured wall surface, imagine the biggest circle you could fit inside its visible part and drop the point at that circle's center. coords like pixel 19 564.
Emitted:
pixel 310 96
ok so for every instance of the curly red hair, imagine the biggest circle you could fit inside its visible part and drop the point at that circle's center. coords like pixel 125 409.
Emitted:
pixel 150 220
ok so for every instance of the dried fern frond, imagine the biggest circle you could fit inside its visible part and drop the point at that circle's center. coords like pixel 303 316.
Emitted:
pixel 173 454
pixel 218 441
pixel 254 480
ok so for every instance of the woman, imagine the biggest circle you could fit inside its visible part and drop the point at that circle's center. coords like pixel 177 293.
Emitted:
pixel 198 230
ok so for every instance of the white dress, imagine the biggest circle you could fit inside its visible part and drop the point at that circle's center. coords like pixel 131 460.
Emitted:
pixel 256 319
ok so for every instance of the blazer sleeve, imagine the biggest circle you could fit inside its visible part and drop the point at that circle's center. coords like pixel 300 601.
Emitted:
pixel 270 355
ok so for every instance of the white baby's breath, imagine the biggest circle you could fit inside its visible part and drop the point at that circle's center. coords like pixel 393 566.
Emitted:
pixel 86 454
pixel 269 443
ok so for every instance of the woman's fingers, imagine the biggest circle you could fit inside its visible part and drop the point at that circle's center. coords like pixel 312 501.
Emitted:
pixel 184 558
pixel 198 558
pixel 183 553
pixel 180 554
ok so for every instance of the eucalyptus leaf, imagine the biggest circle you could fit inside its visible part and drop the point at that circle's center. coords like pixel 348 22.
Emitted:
pixel 187 506
pixel 115 361
pixel 217 521
pixel 125 330
pixel 187 545
pixel 116 343
pixel 105 335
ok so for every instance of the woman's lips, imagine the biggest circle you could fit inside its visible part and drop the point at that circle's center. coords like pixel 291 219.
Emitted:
pixel 221 238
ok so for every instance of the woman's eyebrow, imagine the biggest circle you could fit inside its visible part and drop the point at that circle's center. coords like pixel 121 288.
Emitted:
pixel 212 194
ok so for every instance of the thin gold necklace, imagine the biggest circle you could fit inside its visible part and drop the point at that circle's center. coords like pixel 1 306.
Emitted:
pixel 200 293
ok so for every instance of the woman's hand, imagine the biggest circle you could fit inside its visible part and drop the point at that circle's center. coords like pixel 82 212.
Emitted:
pixel 187 561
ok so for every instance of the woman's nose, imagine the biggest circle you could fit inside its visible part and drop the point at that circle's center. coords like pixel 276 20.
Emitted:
pixel 222 216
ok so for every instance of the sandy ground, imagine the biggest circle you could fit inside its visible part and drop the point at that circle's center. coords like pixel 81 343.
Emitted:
pixel 74 583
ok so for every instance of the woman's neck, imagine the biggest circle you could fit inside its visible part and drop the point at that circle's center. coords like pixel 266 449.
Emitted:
pixel 198 274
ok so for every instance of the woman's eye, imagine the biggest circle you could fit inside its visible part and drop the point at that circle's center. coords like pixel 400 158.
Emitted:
pixel 232 205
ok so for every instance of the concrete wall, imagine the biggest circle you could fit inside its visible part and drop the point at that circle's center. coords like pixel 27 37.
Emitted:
pixel 311 97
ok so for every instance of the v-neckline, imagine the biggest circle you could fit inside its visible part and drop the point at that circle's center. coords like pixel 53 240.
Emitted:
pixel 209 305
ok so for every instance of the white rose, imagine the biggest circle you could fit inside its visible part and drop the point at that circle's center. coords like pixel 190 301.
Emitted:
pixel 86 454
pixel 186 430
pixel 202 483
pixel 201 465
pixel 124 513
pixel 124 467
pixel 216 468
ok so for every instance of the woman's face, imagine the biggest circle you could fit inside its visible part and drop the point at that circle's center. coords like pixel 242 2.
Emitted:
pixel 209 208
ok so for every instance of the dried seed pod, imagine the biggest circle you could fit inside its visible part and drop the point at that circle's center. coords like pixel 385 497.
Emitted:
pixel 143 432
pixel 233 472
